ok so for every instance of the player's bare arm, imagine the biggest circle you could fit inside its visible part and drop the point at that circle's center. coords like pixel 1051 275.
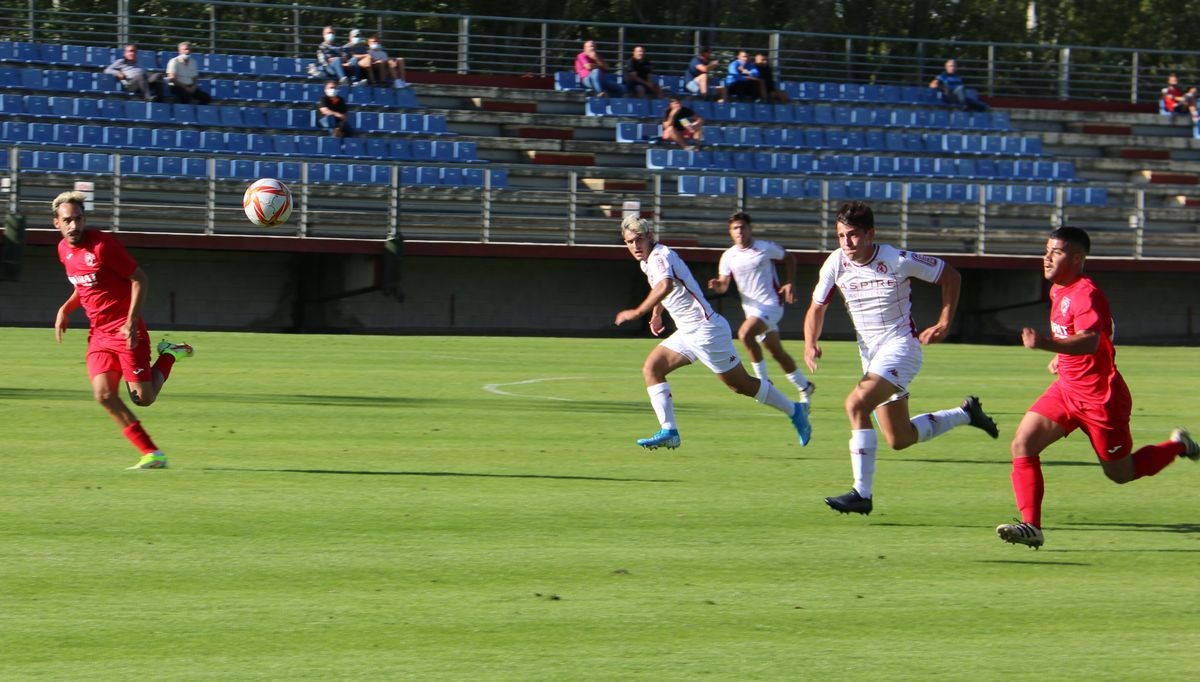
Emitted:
pixel 656 321
pixel 787 290
pixel 137 295
pixel 62 318
pixel 814 322
pixel 1081 343
pixel 652 301
pixel 720 284
pixel 951 283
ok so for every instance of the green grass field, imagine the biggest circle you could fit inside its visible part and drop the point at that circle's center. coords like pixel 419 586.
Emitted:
pixel 345 507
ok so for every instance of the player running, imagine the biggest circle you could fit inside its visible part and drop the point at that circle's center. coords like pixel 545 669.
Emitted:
pixel 1089 393
pixel 876 283
pixel 751 263
pixel 701 334
pixel 111 288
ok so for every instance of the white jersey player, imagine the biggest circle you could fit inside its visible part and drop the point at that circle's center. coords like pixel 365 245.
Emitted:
pixel 750 263
pixel 701 334
pixel 875 281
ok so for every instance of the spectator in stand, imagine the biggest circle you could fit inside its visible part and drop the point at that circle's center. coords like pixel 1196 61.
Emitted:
pixel 767 75
pixel 333 114
pixel 741 81
pixel 594 73
pixel 639 81
pixel 701 76
pixel 182 75
pixel 358 54
pixel 1176 101
pixel 135 79
pixel 385 71
pixel 954 93
pixel 682 126
pixel 332 60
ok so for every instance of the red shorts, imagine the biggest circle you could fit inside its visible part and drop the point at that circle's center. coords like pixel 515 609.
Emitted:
pixel 1105 423
pixel 110 353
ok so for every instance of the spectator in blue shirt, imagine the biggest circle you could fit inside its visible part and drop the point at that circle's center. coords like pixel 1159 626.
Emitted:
pixel 742 80
pixel 950 84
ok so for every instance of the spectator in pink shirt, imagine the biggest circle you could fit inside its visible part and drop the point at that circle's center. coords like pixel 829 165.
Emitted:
pixel 594 74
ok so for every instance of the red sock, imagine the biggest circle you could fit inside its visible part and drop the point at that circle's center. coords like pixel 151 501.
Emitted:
pixel 1154 458
pixel 140 439
pixel 1028 488
pixel 163 365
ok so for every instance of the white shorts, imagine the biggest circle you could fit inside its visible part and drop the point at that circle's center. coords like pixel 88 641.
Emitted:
pixel 711 344
pixel 769 314
pixel 896 360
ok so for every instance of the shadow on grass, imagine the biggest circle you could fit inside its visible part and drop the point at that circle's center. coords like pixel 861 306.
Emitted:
pixel 348 472
pixel 1031 562
pixel 1005 461
pixel 1184 528
pixel 13 393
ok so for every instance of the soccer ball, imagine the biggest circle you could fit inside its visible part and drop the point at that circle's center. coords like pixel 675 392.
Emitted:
pixel 267 202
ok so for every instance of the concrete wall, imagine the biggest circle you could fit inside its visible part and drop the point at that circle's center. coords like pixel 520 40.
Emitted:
pixel 260 291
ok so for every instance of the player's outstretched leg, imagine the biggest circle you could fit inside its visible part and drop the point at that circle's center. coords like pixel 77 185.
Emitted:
pixel 665 438
pixel 151 460
pixel 1191 449
pixel 1021 533
pixel 178 350
pixel 979 418
pixel 801 422
pixel 850 502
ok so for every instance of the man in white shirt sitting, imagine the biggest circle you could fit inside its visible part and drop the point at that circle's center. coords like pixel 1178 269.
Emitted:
pixel 182 76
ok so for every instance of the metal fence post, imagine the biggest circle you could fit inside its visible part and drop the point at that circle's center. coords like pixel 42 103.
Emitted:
pixel 1134 65
pixel 393 202
pixel 823 221
pixel 1064 73
pixel 210 200
pixel 487 206
pixel 657 185
pixel 213 20
pixel 33 21
pixel 572 204
pixel 904 215
pixel 773 51
pixel 303 226
pixel 544 50
pixel 1138 222
pixel 991 69
pixel 464 44
pixel 14 172
pixel 620 45
pixel 116 193
pixel 849 59
pixel 122 22
pixel 981 228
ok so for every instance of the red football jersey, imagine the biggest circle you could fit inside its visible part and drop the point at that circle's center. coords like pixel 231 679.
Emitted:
pixel 100 268
pixel 1076 307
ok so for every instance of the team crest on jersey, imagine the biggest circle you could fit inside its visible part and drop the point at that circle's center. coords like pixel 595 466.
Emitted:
pixel 1064 305
pixel 89 259
pixel 881 268
pixel 893 372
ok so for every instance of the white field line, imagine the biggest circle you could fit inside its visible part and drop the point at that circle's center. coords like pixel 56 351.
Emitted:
pixel 495 388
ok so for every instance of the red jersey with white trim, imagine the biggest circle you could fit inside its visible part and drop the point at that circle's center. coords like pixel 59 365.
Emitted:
pixel 754 271
pixel 100 268
pixel 1077 307
pixel 686 301
pixel 878 293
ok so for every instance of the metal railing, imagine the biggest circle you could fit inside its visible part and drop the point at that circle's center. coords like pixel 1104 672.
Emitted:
pixel 498 45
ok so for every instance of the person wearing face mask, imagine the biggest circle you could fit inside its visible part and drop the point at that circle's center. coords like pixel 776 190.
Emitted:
pixel 384 71
pixel 182 75
pixel 333 113
pixel 332 60
pixel 358 61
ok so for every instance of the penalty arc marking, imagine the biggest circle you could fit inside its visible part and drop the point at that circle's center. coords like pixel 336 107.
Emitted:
pixel 495 388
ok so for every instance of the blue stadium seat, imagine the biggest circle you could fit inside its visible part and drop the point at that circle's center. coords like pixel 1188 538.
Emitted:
pixel 116 136
pixel 270 91
pixel 465 152
pixel 171 166
pixel 752 137
pixel 145 165
pixel 254 117
pixel 237 143
pixel 338 173
pixel 317 172
pixel 221 89
pixel 329 146
pixel 195 167
pixel 279 119
pixel 218 63
pixel 354 146
pixel 260 143
pixel 306 145
pixel 97 163
pixel 367 121
pixel 567 80
pixel 164 138
pixel 159 112
pixel 289 171
pixel 136 110
pixel 189 140
pixel 231 116
pixel 62 107
pixel 183 114
pixel 81 82
pixel 91 135
pixel 452 177
pixel 14 131
pixel 244 169
pixel 212 141
pixel 140 138
pixel 266 169
pixel 284 145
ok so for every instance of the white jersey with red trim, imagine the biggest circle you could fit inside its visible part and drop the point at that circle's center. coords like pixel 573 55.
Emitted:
pixel 754 271
pixel 686 302
pixel 878 293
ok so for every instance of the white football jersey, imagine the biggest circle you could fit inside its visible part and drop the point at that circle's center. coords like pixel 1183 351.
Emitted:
pixel 754 271
pixel 878 294
pixel 686 302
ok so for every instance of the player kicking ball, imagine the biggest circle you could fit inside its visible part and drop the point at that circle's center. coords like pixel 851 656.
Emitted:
pixel 750 263
pixel 701 334
pixel 875 281
pixel 111 288
pixel 1089 393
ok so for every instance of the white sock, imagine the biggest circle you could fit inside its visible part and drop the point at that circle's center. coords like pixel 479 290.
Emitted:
pixel 663 404
pixel 760 368
pixel 934 424
pixel 862 459
pixel 769 395
pixel 798 379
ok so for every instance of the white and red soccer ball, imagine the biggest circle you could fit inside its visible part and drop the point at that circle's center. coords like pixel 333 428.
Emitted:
pixel 267 202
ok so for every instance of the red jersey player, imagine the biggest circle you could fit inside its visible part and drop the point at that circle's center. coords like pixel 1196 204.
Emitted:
pixel 111 288
pixel 1089 394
